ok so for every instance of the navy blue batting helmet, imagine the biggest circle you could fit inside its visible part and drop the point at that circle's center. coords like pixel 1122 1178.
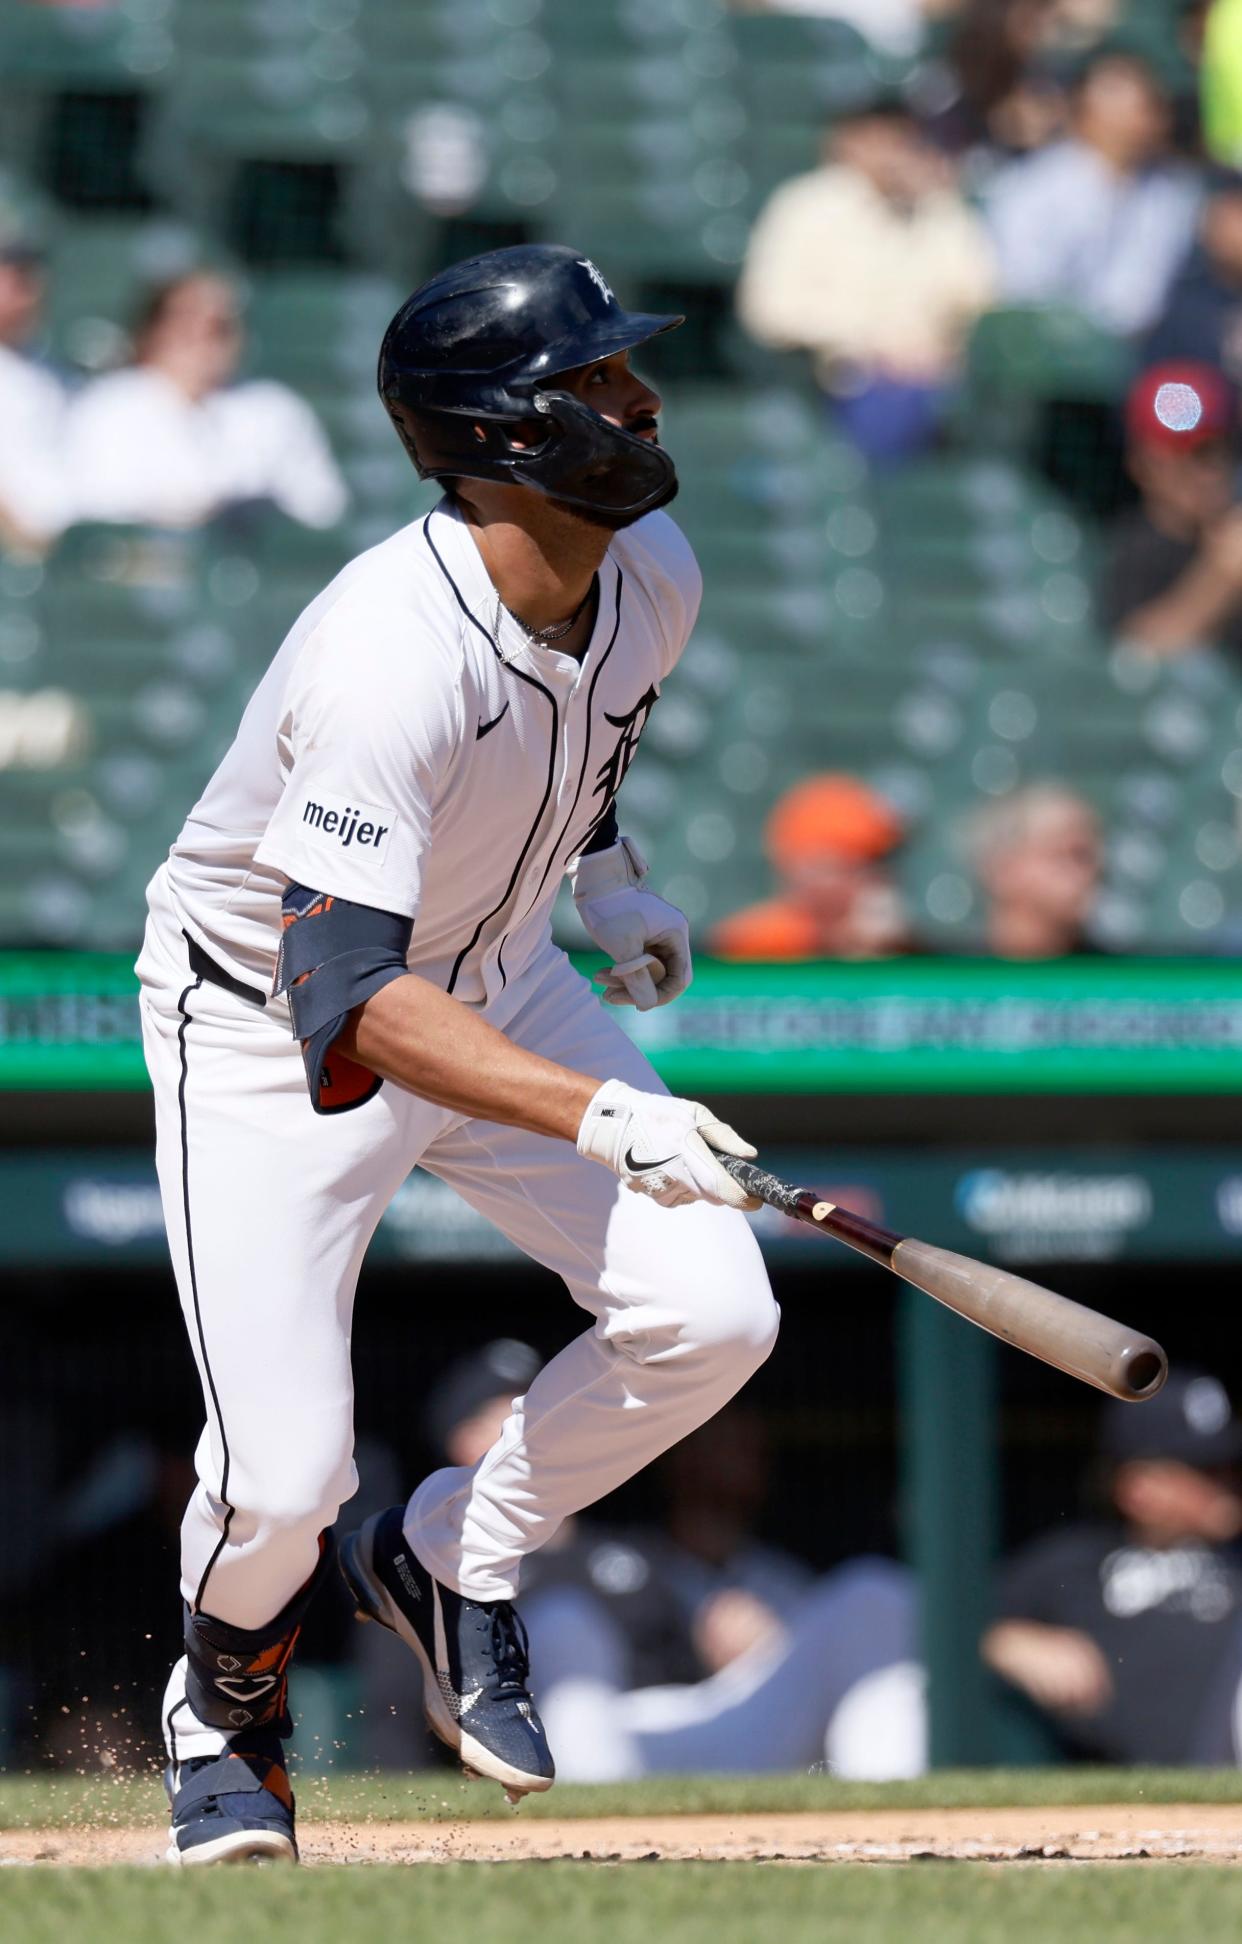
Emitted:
pixel 472 358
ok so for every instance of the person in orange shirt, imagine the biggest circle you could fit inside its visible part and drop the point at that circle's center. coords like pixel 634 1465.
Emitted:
pixel 829 840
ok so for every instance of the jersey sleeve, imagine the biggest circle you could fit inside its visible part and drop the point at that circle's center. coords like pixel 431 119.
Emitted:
pixel 671 579
pixel 371 724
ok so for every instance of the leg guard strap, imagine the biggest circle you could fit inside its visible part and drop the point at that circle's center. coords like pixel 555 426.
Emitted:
pixel 238 1677
pixel 235 1773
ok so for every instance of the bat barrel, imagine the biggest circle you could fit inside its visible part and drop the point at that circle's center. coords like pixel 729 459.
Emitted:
pixel 1065 1334
pixel 1075 1339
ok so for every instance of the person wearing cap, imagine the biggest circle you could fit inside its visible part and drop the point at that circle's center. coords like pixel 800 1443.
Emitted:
pixel 1101 220
pixel 829 840
pixel 1126 1632
pixel 875 264
pixel 1173 577
pixel 33 496
pixel 1202 320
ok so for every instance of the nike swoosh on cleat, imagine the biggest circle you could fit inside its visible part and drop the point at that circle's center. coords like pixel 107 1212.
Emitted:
pixel 485 728
pixel 644 1167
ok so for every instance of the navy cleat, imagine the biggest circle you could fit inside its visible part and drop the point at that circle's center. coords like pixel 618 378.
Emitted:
pixel 235 1807
pixel 474 1657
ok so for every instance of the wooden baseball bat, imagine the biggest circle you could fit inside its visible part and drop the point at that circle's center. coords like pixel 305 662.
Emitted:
pixel 1075 1339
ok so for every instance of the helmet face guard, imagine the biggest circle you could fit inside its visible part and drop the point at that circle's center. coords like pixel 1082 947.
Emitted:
pixel 581 459
pixel 473 356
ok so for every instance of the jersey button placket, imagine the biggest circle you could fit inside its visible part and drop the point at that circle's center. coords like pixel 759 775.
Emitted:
pixel 560 673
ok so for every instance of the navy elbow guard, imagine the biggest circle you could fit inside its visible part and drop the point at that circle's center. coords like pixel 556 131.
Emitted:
pixel 333 956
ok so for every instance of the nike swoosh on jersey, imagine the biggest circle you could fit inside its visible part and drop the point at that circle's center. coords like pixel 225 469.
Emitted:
pixel 645 1167
pixel 485 728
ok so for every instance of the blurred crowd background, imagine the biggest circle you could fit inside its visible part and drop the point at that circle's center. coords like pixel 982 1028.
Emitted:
pixel 956 412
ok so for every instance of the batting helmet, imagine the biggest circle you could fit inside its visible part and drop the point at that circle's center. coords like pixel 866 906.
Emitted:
pixel 473 355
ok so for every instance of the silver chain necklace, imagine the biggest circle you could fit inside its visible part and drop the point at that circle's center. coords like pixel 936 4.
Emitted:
pixel 556 632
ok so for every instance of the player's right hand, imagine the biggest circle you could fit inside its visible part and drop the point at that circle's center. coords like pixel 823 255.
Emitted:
pixel 662 1147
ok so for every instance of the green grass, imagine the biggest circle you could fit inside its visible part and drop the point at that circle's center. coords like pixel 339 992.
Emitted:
pixel 58 1802
pixel 674 1903
pixel 627 1903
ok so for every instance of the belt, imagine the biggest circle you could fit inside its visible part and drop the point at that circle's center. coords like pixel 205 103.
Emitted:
pixel 202 962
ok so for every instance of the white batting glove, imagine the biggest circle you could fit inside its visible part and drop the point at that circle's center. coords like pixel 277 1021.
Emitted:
pixel 662 1147
pixel 647 940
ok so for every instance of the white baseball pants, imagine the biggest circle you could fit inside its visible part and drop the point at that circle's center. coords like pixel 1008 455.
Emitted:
pixel 270 1208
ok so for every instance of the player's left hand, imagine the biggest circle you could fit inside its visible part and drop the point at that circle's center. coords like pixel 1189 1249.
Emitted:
pixel 647 939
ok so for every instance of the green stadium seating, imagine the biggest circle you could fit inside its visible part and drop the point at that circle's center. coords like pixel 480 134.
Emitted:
pixel 65 47
pixel 1046 351
pixel 929 627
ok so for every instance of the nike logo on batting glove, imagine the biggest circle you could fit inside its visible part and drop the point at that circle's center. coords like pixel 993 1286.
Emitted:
pixel 644 1167
pixel 621 1123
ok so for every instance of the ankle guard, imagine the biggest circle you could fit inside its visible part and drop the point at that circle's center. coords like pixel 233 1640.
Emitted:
pixel 238 1678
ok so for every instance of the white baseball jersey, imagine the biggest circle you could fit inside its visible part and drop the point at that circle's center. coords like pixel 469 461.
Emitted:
pixel 34 484
pixel 411 749
pixel 138 449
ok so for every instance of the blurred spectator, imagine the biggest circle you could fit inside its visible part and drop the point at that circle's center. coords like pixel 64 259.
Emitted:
pixel 733 1590
pixel 1037 855
pixel 1004 101
pixel 471 1400
pixel 874 263
pixel 173 439
pixel 1203 317
pixel 1081 23
pixel 1101 220
pixel 623 1622
pixel 32 398
pixel 829 840
pixel 1173 579
pixel 1127 1631
pixel 1192 22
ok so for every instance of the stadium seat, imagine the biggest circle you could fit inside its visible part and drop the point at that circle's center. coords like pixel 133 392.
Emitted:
pixel 1046 351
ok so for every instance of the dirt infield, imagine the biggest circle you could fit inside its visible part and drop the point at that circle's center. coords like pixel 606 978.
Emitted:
pixel 1177 1832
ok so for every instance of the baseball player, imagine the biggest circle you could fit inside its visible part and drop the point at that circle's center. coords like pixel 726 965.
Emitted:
pixel 348 971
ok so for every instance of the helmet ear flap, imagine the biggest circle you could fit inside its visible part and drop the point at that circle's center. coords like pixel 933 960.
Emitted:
pixel 451 443
pixel 405 424
pixel 527 438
